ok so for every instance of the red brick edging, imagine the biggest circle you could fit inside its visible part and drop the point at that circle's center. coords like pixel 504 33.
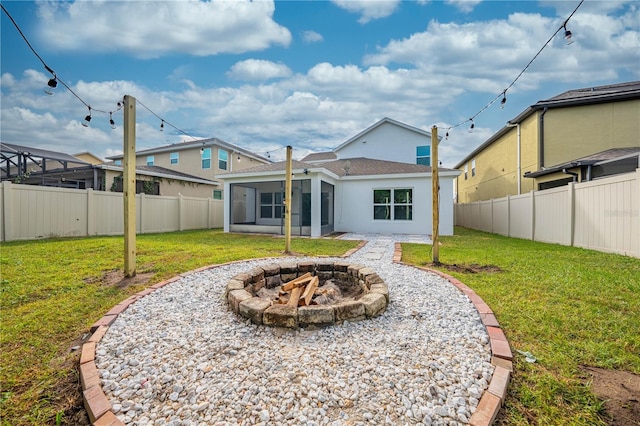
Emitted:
pixel 99 408
pixel 95 401
pixel 492 398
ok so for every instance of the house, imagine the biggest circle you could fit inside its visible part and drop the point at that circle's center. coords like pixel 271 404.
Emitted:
pixel 378 181
pixel 205 159
pixel 35 166
pixel 576 136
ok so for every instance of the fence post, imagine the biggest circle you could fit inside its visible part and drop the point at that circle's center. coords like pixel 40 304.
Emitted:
pixel 508 215
pixel 571 187
pixel 90 213
pixel 7 217
pixel 533 215
pixel 180 213
pixel 209 201
pixel 142 201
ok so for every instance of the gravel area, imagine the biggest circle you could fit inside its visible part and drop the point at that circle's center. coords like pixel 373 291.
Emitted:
pixel 179 357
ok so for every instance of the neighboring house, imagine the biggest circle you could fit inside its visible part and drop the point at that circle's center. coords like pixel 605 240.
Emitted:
pixel 576 136
pixel 35 166
pixel 205 159
pixel 379 181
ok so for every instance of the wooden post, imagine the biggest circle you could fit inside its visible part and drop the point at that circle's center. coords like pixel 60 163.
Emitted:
pixel 435 186
pixel 129 186
pixel 287 201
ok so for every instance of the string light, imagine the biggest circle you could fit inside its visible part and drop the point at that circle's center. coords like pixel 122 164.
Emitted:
pixel 569 39
pixel 162 126
pixel 51 85
pixel 87 118
pixel 111 122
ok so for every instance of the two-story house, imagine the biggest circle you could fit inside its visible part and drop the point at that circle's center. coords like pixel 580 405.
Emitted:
pixel 205 159
pixel 576 136
pixel 378 181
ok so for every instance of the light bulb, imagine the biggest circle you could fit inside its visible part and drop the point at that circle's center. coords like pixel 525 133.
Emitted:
pixel 52 84
pixel 111 122
pixel 87 120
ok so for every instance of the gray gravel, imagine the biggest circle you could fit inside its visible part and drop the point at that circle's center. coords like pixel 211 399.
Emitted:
pixel 180 357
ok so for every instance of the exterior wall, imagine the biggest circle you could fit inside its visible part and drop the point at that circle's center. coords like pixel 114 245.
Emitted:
pixel 602 215
pixel 576 132
pixel 497 166
pixel 377 143
pixel 354 206
pixel 31 212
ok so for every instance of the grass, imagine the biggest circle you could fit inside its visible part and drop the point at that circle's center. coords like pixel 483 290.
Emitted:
pixel 568 306
pixel 52 291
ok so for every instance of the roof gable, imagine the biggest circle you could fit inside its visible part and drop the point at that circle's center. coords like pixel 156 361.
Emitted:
pixel 373 127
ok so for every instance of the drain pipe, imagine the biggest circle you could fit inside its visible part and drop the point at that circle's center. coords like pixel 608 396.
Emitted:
pixel 541 139
pixel 575 175
pixel 518 159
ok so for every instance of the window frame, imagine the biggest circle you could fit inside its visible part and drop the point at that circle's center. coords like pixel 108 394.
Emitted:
pixel 151 160
pixel 274 205
pixel 174 158
pixel 393 205
pixel 466 171
pixel 205 158
pixel 420 156
pixel 217 194
pixel 473 167
pixel 223 161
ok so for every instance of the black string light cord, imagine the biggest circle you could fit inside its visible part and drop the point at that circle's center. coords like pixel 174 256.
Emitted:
pixel 503 94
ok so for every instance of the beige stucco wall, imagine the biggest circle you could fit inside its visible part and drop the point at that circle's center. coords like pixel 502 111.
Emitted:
pixel 577 132
pixel 497 165
pixel 170 187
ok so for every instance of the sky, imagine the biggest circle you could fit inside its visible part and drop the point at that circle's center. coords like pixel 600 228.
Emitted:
pixel 311 74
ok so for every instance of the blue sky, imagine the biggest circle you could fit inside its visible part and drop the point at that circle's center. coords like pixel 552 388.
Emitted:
pixel 310 74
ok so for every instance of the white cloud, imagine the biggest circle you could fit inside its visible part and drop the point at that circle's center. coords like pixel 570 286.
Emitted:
pixel 258 70
pixel 311 37
pixel 465 6
pixel 369 10
pixel 150 29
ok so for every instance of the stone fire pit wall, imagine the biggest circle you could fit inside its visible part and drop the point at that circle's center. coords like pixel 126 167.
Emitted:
pixel 242 294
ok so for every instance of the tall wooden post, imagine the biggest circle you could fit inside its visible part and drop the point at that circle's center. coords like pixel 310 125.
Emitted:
pixel 129 186
pixel 435 183
pixel 287 201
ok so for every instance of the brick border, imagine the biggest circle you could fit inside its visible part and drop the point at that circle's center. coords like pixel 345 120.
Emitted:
pixel 502 358
pixel 95 401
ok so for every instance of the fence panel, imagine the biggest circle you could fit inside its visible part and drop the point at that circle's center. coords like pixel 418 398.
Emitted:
pixel 600 215
pixel 552 213
pixel 31 212
pixel 521 216
pixel 607 215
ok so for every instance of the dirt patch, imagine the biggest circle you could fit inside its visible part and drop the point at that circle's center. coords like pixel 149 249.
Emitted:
pixel 472 268
pixel 116 278
pixel 620 391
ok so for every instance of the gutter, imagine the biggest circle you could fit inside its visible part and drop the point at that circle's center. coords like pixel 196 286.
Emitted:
pixel 541 138
pixel 575 175
pixel 518 159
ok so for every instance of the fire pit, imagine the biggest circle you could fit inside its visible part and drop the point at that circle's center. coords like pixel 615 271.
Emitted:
pixel 307 293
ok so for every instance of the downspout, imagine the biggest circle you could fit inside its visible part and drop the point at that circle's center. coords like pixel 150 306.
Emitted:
pixel 541 139
pixel 518 157
pixel 575 175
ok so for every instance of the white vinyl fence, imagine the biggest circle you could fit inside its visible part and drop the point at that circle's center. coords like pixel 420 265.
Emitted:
pixel 30 212
pixel 601 215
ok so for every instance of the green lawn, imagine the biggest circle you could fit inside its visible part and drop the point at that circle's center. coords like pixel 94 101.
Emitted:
pixel 568 306
pixel 52 292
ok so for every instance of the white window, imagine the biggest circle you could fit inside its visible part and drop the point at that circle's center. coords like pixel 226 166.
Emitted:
pixel 174 158
pixel 393 204
pixel 150 160
pixel 117 162
pixel 466 171
pixel 206 158
pixel 223 158
pixel 473 167
pixel 270 205
pixel 217 194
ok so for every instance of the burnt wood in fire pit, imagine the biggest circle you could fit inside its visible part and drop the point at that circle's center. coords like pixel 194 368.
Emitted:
pixel 307 293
